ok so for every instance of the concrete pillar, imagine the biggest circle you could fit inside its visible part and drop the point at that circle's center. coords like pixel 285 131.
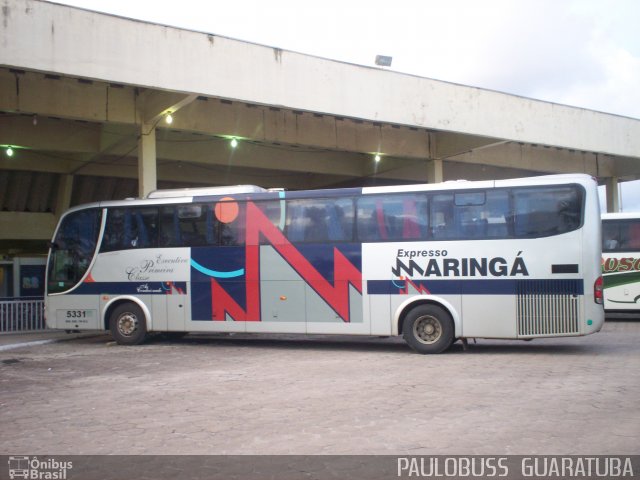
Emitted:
pixel 147 165
pixel 434 171
pixel 613 196
pixel 65 189
pixel 16 277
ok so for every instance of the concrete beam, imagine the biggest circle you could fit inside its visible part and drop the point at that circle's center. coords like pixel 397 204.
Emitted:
pixel 225 118
pixel 537 159
pixel 217 151
pixel 276 125
pixel 212 116
pixel 27 226
pixel 626 168
pixel 34 161
pixel 62 97
pixel 153 106
pixel 41 133
pixel 448 144
pixel 471 172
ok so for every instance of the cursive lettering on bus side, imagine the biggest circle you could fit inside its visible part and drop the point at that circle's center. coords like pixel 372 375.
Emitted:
pixel 626 264
pixel 150 267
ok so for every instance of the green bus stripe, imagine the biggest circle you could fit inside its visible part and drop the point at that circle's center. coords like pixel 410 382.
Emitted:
pixel 618 279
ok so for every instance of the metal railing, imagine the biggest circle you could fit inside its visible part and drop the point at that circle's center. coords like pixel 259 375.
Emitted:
pixel 24 314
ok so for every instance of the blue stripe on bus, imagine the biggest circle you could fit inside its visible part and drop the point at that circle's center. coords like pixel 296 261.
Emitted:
pixel 215 273
pixel 478 287
pixel 131 288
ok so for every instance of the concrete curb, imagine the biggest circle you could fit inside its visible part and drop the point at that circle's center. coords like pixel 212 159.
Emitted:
pixel 12 346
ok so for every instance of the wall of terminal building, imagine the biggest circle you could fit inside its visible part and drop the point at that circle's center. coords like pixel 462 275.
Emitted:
pixel 22 276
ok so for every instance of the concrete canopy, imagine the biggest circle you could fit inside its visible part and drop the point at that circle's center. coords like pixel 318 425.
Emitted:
pixel 84 98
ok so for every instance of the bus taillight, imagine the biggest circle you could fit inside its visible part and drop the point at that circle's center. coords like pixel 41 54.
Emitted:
pixel 598 291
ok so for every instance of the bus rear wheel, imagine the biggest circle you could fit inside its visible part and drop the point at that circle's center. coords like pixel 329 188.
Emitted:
pixel 128 324
pixel 428 329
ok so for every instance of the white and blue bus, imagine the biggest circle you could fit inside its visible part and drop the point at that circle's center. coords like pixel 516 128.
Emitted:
pixel 621 262
pixel 508 259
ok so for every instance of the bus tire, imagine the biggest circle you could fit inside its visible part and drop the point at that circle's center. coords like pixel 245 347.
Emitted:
pixel 428 329
pixel 128 324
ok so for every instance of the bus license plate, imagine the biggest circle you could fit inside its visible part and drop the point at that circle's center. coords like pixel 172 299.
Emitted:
pixel 76 317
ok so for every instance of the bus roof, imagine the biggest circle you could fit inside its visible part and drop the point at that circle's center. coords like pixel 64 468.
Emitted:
pixel 186 195
pixel 205 191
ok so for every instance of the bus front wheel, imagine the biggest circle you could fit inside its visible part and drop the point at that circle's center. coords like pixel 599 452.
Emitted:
pixel 428 329
pixel 128 324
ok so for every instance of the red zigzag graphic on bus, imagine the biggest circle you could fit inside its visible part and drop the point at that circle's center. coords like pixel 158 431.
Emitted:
pixel 421 289
pixel 337 296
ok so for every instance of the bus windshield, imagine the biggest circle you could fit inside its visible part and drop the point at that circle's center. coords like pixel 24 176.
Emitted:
pixel 72 250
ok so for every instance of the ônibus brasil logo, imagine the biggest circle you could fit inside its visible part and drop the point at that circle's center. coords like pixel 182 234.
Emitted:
pixel 32 468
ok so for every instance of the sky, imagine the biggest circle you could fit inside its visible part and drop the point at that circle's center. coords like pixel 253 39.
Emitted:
pixel 584 53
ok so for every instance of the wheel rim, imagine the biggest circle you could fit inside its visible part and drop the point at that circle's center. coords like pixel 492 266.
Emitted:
pixel 427 329
pixel 127 324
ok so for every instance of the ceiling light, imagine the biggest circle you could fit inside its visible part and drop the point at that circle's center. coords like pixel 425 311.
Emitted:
pixel 169 118
pixel 234 143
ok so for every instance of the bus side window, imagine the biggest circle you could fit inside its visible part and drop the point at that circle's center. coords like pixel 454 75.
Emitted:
pixel 145 230
pixel 380 218
pixel 441 218
pixel 611 236
pixel 367 224
pixel 233 230
pixel 546 211
pixel 130 228
pixel 471 222
pixel 534 215
pixel 633 236
pixel 113 238
pixel 415 218
pixel 340 219
pixel 193 224
pixel 316 229
pixel 145 227
pixel 569 212
pixel 497 214
pixel 169 235
pixel 187 225
pixel 272 209
pixel 335 228
pixel 319 220
pixel 296 221
pixel 620 235
pixel 393 217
